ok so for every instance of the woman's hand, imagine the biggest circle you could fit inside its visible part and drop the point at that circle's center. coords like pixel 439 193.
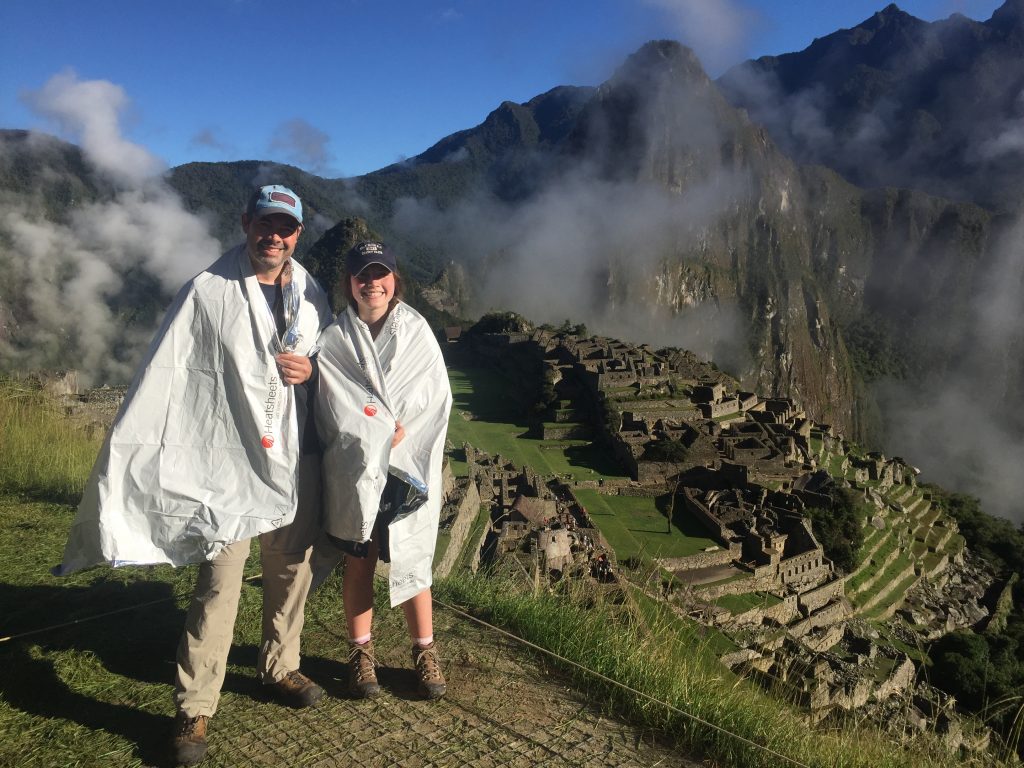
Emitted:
pixel 295 369
pixel 399 434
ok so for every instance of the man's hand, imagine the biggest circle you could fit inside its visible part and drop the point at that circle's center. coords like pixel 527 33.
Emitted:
pixel 295 369
pixel 399 434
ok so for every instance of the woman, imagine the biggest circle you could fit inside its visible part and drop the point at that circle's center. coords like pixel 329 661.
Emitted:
pixel 382 413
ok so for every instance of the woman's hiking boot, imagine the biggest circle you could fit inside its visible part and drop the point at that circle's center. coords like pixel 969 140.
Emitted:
pixel 428 671
pixel 362 671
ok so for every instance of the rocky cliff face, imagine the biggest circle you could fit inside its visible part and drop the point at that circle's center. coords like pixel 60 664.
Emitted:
pixel 661 121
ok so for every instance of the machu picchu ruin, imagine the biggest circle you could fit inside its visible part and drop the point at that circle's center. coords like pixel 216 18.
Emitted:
pixel 751 478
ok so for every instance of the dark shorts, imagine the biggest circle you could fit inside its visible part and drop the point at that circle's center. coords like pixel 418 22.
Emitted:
pixel 391 505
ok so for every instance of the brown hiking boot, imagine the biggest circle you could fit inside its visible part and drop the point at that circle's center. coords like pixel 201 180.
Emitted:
pixel 296 690
pixel 428 670
pixel 362 674
pixel 189 741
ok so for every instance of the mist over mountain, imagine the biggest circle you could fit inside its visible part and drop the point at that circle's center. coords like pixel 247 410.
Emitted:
pixel 897 101
pixel 880 289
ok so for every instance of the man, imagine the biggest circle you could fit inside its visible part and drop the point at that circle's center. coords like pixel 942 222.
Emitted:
pixel 205 455
pixel 272 224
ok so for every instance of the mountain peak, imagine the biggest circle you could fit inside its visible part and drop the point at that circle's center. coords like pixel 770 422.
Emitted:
pixel 1009 15
pixel 669 55
pixel 888 23
pixel 891 12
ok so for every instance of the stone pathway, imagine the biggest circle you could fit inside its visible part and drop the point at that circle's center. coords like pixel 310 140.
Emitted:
pixel 503 708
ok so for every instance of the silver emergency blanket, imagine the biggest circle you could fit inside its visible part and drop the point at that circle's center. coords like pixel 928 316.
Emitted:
pixel 205 448
pixel 365 385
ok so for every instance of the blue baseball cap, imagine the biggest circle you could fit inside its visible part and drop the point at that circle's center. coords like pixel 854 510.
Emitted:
pixel 274 198
pixel 366 253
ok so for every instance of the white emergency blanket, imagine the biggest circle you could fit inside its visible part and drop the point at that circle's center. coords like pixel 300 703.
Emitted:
pixel 205 448
pixel 365 385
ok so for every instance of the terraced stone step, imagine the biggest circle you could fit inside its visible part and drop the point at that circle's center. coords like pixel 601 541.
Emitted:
pixel 881 567
pixel 893 577
pixel 918 505
pixel 938 537
pixel 877 545
pixel 932 516
pixel 900 493
pixel 884 610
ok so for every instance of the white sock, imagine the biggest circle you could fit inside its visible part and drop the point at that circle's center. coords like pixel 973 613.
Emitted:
pixel 423 642
pixel 362 639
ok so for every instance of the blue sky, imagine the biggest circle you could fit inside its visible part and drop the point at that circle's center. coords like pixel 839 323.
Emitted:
pixel 342 87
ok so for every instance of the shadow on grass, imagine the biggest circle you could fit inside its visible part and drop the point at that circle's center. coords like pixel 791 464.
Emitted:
pixel 49 673
pixel 139 645
pixel 45 494
pixel 489 398
pixel 593 457
pixel 682 519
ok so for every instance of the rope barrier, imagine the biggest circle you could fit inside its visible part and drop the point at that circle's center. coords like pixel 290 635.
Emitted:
pixel 623 686
pixel 116 611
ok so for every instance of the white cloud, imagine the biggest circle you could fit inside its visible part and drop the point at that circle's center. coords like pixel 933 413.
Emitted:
pixel 302 144
pixel 88 111
pixel 66 274
pixel 716 30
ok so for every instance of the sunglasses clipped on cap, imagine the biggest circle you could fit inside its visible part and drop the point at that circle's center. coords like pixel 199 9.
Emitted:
pixel 285 226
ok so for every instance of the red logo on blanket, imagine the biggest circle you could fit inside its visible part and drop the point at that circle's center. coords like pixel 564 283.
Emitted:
pixel 370 410
pixel 267 441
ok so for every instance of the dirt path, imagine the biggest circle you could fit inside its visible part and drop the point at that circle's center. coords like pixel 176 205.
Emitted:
pixel 503 709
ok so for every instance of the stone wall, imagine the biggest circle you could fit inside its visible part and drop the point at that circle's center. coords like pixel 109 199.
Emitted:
pixel 898 681
pixel 639 491
pixel 683 415
pixel 565 431
pixel 738 587
pixel 805 567
pixel 701 512
pixel 833 613
pixel 465 514
pixel 722 408
pixel 701 559
pixel 822 641
pixel 783 613
pixel 813 599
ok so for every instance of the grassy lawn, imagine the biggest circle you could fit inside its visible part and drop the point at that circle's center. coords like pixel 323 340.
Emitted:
pixel 498 429
pixel 635 525
pixel 737 604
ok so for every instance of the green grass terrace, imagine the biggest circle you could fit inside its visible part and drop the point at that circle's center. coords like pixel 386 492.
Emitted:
pixel 635 526
pixel 484 417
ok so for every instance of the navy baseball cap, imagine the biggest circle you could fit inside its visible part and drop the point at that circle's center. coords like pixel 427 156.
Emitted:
pixel 274 198
pixel 366 253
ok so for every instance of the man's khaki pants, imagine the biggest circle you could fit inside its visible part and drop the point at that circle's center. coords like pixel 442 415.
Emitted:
pixel 209 625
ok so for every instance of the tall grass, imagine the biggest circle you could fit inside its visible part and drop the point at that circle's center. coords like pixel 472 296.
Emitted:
pixel 43 453
pixel 670 662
